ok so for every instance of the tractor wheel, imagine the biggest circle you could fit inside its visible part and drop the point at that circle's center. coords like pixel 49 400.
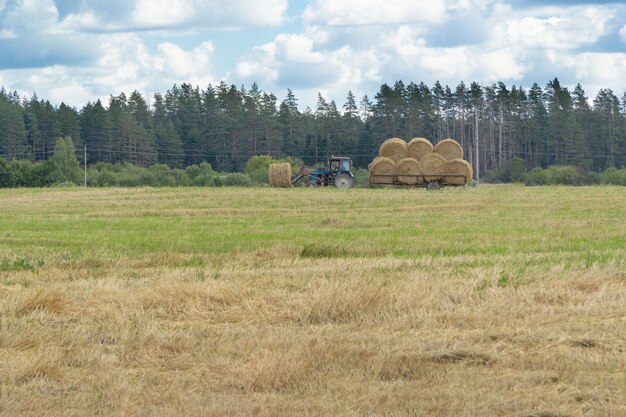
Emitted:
pixel 344 181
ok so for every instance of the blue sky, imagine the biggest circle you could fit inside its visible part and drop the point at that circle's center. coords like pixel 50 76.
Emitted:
pixel 81 50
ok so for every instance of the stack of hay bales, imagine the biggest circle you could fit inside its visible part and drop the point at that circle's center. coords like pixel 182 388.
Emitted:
pixel 280 175
pixel 419 161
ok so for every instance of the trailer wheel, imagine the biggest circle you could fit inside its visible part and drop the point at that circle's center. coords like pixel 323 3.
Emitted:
pixel 433 185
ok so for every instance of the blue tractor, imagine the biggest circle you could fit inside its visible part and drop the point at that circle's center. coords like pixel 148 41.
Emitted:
pixel 337 173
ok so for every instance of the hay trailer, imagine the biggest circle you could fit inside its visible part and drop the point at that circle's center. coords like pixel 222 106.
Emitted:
pixel 338 173
pixel 442 180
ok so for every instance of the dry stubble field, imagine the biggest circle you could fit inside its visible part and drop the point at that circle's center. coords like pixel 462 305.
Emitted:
pixel 497 301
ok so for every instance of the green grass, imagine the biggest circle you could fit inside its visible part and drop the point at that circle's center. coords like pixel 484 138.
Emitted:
pixel 491 224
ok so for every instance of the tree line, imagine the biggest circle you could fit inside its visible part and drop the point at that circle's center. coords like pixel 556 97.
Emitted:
pixel 226 125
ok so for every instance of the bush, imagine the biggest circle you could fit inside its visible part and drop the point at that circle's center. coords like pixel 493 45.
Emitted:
pixel 588 178
pixel 181 179
pixel 562 174
pixel 22 173
pixel 495 176
pixel 537 176
pixel 257 163
pixel 361 177
pixel 204 180
pixel 195 171
pixel 6 176
pixel 161 176
pixel 236 179
pixel 614 176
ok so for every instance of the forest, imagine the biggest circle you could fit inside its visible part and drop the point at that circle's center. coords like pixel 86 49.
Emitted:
pixel 225 125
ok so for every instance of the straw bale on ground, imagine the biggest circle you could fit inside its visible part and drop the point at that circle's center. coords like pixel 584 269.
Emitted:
pixel 458 167
pixel 394 148
pixel 419 147
pixel 433 166
pixel 409 171
pixel 280 175
pixel 382 170
pixel 449 149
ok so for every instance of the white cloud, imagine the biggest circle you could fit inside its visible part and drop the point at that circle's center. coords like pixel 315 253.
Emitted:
pixel 27 16
pixel 303 64
pixel 602 69
pixel 176 15
pixel 374 12
pixel 565 28
pixel 125 65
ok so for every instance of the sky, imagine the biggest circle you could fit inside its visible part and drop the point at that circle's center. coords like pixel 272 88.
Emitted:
pixel 76 51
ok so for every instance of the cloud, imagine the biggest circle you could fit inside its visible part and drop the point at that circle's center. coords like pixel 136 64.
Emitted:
pixel 141 15
pixel 598 69
pixel 373 12
pixel 125 64
pixel 568 28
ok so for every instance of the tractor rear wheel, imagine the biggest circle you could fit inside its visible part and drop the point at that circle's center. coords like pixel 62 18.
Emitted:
pixel 344 181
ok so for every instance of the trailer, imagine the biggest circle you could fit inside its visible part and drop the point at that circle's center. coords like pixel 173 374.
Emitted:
pixel 442 180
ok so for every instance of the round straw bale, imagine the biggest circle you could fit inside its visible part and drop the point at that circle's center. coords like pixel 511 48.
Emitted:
pixel 458 167
pixel 450 149
pixel 419 147
pixel 394 148
pixel 280 175
pixel 432 166
pixel 409 171
pixel 382 170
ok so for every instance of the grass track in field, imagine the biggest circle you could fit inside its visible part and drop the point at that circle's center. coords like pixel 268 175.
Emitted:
pixel 501 300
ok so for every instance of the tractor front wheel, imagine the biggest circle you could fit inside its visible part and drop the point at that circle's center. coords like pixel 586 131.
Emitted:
pixel 344 181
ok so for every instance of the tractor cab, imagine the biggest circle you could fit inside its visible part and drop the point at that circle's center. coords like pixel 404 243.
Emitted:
pixel 340 173
pixel 339 164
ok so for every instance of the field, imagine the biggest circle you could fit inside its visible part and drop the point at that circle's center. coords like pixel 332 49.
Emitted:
pixel 495 301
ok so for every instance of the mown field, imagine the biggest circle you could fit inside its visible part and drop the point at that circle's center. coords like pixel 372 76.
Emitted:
pixel 495 301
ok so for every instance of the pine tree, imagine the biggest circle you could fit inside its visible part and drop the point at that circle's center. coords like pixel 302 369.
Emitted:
pixel 13 136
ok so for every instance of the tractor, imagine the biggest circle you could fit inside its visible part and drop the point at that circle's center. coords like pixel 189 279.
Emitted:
pixel 337 173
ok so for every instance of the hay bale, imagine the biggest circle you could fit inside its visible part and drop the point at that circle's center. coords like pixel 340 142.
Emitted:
pixel 280 175
pixel 394 148
pixel 419 147
pixel 458 167
pixel 449 149
pixel 433 166
pixel 382 170
pixel 409 171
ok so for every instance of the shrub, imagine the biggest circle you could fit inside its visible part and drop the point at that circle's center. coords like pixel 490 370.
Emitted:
pixel 236 179
pixel 588 178
pixel 537 176
pixel 614 176
pixel 195 171
pixel 204 180
pixel 361 177
pixel 162 176
pixel 562 174
pixel 6 176
pixel 495 176
pixel 22 173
